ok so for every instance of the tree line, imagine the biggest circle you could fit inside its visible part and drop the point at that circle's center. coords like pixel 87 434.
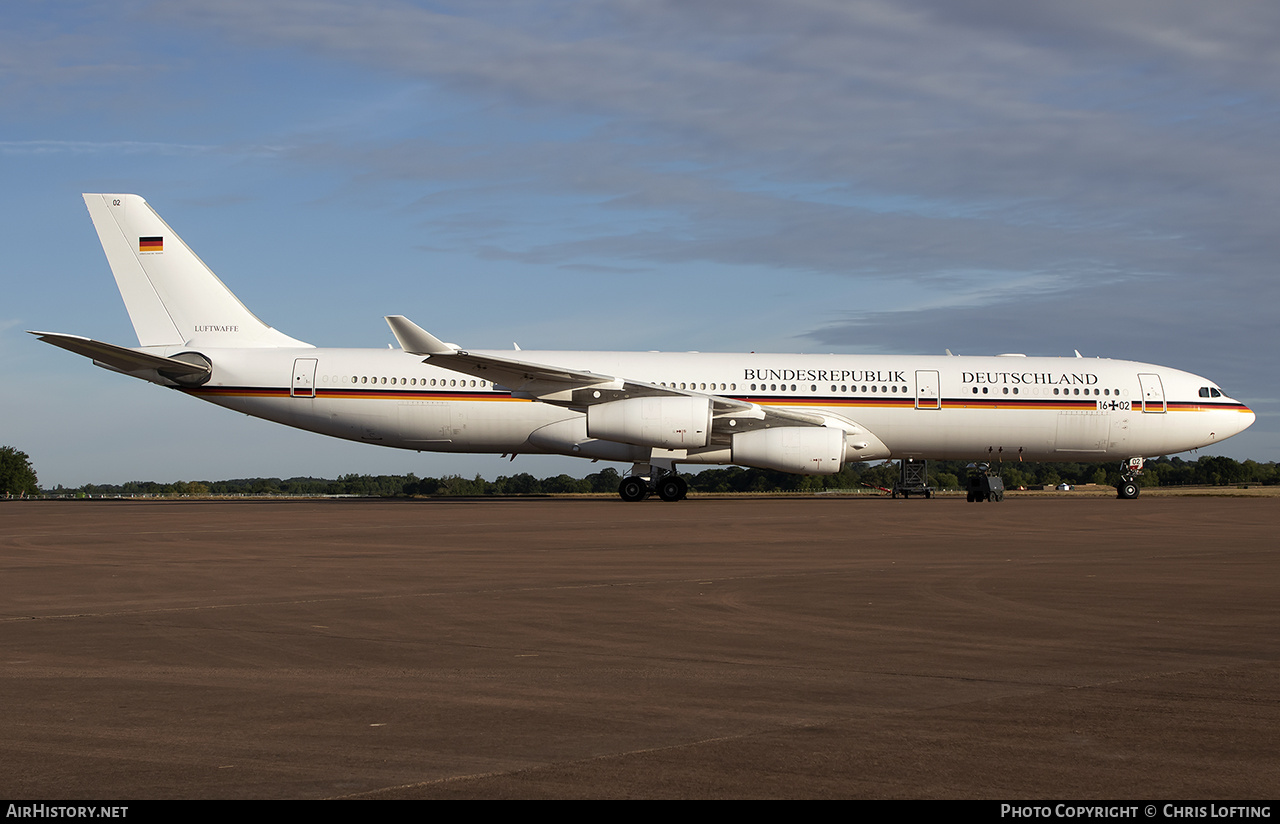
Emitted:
pixel 1205 471
pixel 17 477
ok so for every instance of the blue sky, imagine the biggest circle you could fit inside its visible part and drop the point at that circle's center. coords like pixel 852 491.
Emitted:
pixel 900 176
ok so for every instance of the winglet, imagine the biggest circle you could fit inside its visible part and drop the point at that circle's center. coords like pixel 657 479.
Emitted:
pixel 415 340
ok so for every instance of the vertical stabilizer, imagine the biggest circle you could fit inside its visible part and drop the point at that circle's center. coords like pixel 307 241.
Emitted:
pixel 172 297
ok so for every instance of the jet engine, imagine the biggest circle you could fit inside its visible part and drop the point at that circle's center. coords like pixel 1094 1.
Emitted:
pixel 665 422
pixel 802 450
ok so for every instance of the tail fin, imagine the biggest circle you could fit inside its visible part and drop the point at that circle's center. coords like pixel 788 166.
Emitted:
pixel 172 297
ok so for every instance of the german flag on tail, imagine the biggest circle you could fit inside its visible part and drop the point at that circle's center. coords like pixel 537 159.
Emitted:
pixel 151 244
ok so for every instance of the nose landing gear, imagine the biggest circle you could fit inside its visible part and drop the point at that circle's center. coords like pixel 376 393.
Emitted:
pixel 1130 471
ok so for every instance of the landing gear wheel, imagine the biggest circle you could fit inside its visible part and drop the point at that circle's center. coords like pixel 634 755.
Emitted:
pixel 1127 490
pixel 633 489
pixel 673 488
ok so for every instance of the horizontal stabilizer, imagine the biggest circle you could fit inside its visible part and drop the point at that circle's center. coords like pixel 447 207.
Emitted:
pixel 118 357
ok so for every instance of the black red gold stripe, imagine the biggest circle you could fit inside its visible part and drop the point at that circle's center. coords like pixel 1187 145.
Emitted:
pixel 902 402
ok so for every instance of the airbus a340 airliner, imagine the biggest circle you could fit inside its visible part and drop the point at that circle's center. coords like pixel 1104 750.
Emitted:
pixel 806 414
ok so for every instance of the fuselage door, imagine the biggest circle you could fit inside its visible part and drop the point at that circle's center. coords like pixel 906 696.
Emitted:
pixel 1152 393
pixel 304 378
pixel 927 393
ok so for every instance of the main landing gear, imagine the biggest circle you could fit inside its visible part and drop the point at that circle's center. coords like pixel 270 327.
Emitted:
pixel 664 483
pixel 1130 470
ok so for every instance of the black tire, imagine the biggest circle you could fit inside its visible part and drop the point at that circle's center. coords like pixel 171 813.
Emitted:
pixel 1128 490
pixel 672 489
pixel 633 489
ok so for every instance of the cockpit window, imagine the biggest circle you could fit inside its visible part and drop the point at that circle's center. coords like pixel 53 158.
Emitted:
pixel 1210 392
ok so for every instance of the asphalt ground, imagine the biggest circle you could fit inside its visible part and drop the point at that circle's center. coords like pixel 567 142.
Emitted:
pixel 1072 648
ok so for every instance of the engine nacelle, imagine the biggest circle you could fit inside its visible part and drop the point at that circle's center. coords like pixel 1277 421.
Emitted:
pixel 801 450
pixel 667 422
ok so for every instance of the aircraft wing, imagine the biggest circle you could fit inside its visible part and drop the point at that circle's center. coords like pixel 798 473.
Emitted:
pixel 579 389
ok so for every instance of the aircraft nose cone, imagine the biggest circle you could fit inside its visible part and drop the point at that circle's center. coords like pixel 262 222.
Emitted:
pixel 1247 417
pixel 1238 422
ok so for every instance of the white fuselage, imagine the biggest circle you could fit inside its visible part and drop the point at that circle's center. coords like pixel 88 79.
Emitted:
pixel 1006 407
pixel 804 414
